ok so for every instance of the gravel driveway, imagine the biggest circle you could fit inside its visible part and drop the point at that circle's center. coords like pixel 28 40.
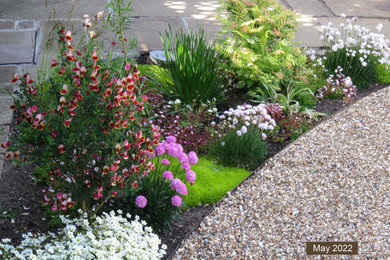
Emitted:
pixel 332 184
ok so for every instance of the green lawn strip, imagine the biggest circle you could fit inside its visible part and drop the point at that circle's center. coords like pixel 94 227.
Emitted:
pixel 212 182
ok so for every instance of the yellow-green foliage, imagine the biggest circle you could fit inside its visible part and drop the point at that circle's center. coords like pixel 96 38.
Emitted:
pixel 212 182
pixel 258 43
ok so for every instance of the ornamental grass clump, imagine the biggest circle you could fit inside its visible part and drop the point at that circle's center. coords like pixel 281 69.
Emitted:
pixel 354 48
pixel 157 196
pixel 85 125
pixel 110 236
pixel 247 150
pixel 192 67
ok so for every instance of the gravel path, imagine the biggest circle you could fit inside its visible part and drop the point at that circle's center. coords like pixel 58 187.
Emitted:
pixel 332 184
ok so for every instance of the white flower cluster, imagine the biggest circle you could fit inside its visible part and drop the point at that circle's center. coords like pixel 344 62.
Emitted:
pixel 244 116
pixel 108 237
pixel 355 39
pixel 338 82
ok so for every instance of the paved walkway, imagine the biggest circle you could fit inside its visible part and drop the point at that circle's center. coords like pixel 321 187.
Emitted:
pixel 25 28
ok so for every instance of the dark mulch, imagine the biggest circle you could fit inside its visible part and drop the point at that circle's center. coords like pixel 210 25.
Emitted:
pixel 21 197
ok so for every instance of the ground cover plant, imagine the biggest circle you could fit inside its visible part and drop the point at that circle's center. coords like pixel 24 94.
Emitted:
pixel 213 181
pixel 109 236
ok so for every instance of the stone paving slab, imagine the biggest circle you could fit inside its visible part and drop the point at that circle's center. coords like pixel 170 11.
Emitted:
pixel 362 8
pixel 148 31
pixel 23 25
pixel 44 9
pixel 4 130
pixel 211 27
pixel 16 46
pixel 189 8
pixel 6 112
pixel 7 72
pixel 307 33
pixel 310 7
pixel 4 25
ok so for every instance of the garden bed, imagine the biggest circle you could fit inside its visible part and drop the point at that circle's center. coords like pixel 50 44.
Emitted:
pixel 20 210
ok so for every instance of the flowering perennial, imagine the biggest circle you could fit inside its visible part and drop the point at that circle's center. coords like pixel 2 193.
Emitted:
pixel 173 150
pixel 338 83
pixel 86 126
pixel 110 236
pixel 244 116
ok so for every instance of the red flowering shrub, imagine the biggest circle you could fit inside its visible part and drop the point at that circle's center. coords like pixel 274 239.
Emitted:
pixel 85 123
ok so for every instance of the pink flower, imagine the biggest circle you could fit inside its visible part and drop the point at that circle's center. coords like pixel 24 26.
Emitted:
pixel 127 66
pixel 165 161
pixel 176 201
pixel 191 176
pixel 186 166
pixel 175 183
pixel 192 158
pixel 182 189
pixel 171 139
pixel 160 150
pixel 141 201
pixel 182 157
pixel 168 175
pixel 171 149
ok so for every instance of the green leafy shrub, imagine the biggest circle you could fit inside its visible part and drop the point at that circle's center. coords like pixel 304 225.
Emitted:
pixel 85 124
pixel 258 44
pixel 192 66
pixel 247 151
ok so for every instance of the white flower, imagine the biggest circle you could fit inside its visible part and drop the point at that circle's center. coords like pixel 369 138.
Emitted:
pixel 334 48
pixel 244 129
pixel 239 133
pixel 222 143
pixel 264 136
pixel 364 64
pixel 342 15
pixel 379 27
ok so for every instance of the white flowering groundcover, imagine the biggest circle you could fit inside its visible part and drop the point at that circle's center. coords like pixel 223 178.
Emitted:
pixel 110 236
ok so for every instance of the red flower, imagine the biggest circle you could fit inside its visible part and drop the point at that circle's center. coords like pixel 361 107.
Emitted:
pixel 16 78
pixel 67 122
pixel 5 145
pixel 68 36
pixel 61 149
pixel 64 89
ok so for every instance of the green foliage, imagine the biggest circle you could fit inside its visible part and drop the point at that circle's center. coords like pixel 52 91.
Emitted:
pixel 159 211
pixel 247 151
pixel 118 18
pixel 212 182
pixel 258 43
pixel 155 75
pixel 75 124
pixel 383 74
pixel 192 67
pixel 362 76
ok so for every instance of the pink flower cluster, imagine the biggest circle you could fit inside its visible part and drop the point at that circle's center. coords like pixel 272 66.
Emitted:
pixel 175 150
pixel 338 83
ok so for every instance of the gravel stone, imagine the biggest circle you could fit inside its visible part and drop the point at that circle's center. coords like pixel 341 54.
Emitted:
pixel 332 184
